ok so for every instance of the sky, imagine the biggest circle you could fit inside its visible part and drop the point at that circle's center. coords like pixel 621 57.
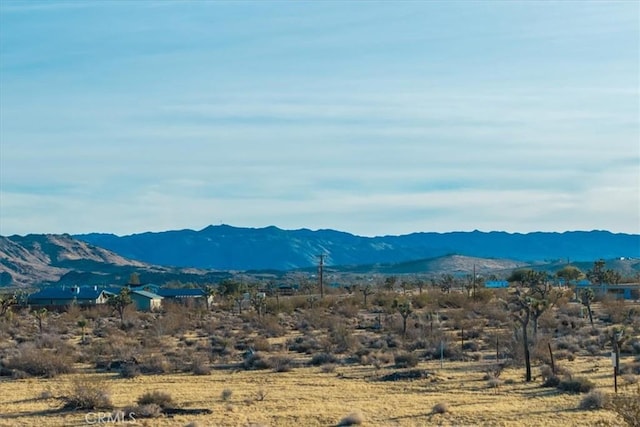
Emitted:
pixel 370 117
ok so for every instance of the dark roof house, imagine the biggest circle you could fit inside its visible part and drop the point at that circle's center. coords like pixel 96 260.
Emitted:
pixel 64 296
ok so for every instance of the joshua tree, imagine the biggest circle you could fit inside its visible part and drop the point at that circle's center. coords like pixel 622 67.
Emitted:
pixel 209 293
pixel 404 308
pixel 366 291
pixel 40 315
pixel 82 324
pixel 259 302
pixel 587 298
pixel 446 282
pixel 521 306
pixel 6 301
pixel 390 283
pixel 119 302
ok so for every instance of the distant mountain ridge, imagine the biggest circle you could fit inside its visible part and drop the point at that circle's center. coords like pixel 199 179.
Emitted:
pixel 224 247
pixel 38 259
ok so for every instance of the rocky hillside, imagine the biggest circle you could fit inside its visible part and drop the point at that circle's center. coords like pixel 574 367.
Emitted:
pixel 47 259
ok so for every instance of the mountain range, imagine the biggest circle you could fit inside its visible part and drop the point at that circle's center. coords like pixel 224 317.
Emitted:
pixel 225 247
pixel 217 251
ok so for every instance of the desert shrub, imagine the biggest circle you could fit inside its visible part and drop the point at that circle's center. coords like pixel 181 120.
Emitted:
pixel 494 382
pixel 304 344
pixel 129 370
pixel 551 381
pixel 221 345
pixel 261 344
pixel 353 419
pixel 342 338
pixel 440 408
pixel 155 364
pixel 200 366
pixel 471 346
pixel 631 368
pixel 149 410
pixel 160 398
pixel 86 394
pixel 281 363
pixel 405 360
pixel 627 407
pixel 595 399
pixel 329 368
pixel 576 385
pixel 255 361
pixel 35 361
pixel 322 359
pixel 420 300
pixel 226 394
pixel 452 300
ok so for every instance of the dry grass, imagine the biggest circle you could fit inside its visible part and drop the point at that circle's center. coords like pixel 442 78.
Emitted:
pixel 308 397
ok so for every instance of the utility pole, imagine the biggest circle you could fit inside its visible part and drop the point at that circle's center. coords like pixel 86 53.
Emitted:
pixel 320 273
pixel 474 281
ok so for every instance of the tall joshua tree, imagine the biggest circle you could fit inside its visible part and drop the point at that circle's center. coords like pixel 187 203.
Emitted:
pixel 119 302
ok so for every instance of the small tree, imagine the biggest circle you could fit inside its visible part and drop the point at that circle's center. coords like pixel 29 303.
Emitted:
pixel 570 275
pixel 259 302
pixel 6 302
pixel 390 283
pixel 119 302
pixel 134 279
pixel 404 308
pixel 209 293
pixel 587 298
pixel 82 324
pixel 40 315
pixel 521 307
pixel 366 291
pixel 446 283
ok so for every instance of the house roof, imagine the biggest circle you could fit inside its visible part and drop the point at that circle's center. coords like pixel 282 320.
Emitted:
pixel 81 293
pixel 180 293
pixel 147 294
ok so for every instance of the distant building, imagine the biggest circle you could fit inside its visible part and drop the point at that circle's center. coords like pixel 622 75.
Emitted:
pixel 496 284
pixel 60 297
pixel 185 295
pixel 145 300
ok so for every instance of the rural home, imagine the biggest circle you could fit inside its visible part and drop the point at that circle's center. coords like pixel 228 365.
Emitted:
pixel 186 295
pixel 60 297
pixel 146 301
pixel 627 291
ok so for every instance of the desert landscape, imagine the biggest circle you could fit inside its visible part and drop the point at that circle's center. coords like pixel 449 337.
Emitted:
pixel 405 357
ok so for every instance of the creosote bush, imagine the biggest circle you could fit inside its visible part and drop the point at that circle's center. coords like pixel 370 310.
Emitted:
pixel 226 394
pixel 595 399
pixel 627 407
pixel 576 385
pixel 160 398
pixel 405 360
pixel 87 394
pixel 440 408
pixel 40 362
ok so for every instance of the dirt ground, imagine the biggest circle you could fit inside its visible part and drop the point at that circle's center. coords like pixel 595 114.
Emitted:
pixel 310 396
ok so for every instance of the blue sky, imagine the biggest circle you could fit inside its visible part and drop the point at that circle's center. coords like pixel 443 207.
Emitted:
pixel 368 117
